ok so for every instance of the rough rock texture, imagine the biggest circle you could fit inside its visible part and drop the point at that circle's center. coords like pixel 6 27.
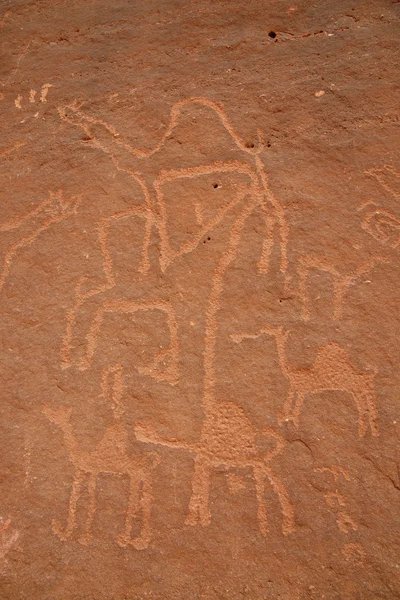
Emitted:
pixel 199 266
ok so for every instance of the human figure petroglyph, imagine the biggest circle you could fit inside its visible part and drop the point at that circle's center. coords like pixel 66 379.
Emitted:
pixel 332 370
pixel 336 500
pixel 110 456
pixel 152 179
pixel 28 227
pixel 228 439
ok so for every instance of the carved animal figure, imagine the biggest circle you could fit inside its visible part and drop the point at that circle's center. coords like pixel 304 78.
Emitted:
pixel 341 282
pixel 332 370
pixel 228 438
pixel 110 456
pixel 382 224
pixel 49 212
pixel 147 169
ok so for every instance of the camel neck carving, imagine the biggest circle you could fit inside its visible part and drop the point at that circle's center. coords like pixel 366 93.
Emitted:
pixel 110 456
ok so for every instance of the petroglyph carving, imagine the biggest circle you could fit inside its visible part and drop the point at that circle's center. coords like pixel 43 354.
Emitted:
pixel 164 367
pixel 382 224
pixel 104 137
pixel 228 439
pixel 355 553
pixel 341 283
pixel 109 457
pixel 332 370
pixel 6 151
pixel 32 96
pixel 337 501
pixel 256 194
pixel 27 228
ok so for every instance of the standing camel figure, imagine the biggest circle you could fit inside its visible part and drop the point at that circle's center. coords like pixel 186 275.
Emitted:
pixel 228 439
pixel 332 370
pixel 110 456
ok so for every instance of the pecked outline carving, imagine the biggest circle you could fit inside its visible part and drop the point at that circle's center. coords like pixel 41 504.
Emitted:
pixel 73 115
pixel 228 438
pixel 332 370
pixel 109 456
pixel 336 500
pixel 49 212
pixel 154 211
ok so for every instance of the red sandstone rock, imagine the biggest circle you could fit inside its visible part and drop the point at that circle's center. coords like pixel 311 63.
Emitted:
pixel 199 265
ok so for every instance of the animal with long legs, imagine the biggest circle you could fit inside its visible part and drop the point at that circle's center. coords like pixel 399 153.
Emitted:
pixel 228 439
pixel 332 370
pixel 109 457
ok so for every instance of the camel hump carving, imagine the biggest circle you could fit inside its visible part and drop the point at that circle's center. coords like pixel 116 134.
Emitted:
pixel 110 456
pixel 332 370
pixel 229 440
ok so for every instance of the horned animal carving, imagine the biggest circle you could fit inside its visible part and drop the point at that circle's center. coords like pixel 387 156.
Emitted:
pixel 109 456
pixel 332 370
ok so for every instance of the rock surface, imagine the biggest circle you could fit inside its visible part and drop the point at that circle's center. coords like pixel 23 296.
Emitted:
pixel 199 266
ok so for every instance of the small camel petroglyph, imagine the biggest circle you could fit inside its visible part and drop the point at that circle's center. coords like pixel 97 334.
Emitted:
pixel 49 212
pixel 381 224
pixel 110 456
pixel 332 370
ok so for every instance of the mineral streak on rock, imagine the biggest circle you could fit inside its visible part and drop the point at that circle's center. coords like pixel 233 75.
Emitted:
pixel 199 266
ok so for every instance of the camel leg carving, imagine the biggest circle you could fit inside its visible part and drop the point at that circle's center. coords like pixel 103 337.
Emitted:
pixel 65 533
